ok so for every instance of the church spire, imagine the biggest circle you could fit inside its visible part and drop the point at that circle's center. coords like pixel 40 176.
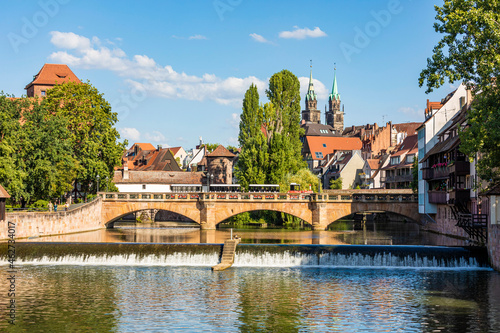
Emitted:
pixel 311 95
pixel 335 91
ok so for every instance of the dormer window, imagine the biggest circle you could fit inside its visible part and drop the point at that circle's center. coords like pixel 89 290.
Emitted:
pixel 410 158
pixel 395 160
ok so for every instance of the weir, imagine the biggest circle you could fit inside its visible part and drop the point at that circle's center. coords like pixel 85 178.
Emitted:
pixel 342 256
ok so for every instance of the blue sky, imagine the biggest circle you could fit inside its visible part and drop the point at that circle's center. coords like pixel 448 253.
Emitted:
pixel 178 70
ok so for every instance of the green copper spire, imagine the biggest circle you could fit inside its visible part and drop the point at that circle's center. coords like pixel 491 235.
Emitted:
pixel 310 92
pixel 335 90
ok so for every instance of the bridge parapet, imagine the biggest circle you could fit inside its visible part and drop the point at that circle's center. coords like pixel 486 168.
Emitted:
pixel 222 196
pixel 210 208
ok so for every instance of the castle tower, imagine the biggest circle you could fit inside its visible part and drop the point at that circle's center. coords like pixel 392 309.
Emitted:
pixel 311 113
pixel 335 116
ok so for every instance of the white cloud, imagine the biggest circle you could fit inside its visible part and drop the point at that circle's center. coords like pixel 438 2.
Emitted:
pixel 412 113
pixel 69 40
pixel 155 136
pixel 303 33
pixel 143 73
pixel 233 141
pixel 319 88
pixel 234 120
pixel 197 37
pixel 131 134
pixel 259 38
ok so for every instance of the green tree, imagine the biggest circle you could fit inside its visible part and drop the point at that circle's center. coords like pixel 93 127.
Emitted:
pixel 414 173
pixel 336 184
pixel 12 169
pixel 305 178
pixel 47 154
pixel 270 133
pixel 93 136
pixel 211 147
pixel 468 52
pixel 251 117
pixel 282 124
pixel 253 160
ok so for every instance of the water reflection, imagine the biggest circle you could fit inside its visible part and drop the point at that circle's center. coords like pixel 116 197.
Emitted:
pixel 369 233
pixel 130 299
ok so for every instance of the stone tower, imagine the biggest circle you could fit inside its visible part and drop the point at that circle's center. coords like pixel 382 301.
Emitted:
pixel 335 116
pixel 311 113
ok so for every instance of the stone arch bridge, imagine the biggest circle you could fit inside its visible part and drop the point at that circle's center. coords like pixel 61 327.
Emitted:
pixel 209 209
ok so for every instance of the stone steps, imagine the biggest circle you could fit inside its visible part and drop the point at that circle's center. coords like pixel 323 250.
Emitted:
pixel 228 253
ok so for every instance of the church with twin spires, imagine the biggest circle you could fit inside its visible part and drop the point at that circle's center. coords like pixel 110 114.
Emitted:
pixel 334 116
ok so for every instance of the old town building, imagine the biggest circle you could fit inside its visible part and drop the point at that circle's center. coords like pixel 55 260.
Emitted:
pixel 48 77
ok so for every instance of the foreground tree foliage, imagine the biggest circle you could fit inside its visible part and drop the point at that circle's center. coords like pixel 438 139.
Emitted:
pixel 93 137
pixel 469 53
pixel 46 145
pixel 270 134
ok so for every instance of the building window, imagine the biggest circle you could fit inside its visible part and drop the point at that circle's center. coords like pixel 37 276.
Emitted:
pixel 143 187
pixel 43 92
pixel 324 145
pixel 410 158
pixel 395 160
pixel 319 154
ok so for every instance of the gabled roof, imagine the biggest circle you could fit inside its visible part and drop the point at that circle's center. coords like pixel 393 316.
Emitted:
pixel 329 144
pixel 175 150
pixel 409 143
pixel 408 128
pixel 144 146
pixel 221 151
pixel 315 129
pixel 3 193
pixel 50 74
pixel 148 158
pixel 373 163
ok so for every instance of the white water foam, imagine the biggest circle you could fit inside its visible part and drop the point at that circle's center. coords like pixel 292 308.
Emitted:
pixel 174 259
pixel 354 260
pixel 266 259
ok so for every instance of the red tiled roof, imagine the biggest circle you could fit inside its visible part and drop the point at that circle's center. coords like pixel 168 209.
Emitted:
pixel 221 151
pixel 144 146
pixel 174 150
pixel 408 128
pixel 3 193
pixel 329 144
pixel 374 163
pixel 51 74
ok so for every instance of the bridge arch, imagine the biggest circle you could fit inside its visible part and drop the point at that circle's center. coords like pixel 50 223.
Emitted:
pixel 113 211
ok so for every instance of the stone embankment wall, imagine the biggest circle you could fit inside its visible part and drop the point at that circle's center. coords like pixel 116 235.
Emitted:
pixel 494 245
pixel 83 218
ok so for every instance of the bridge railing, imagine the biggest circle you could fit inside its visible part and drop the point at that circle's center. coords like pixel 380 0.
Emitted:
pixel 347 196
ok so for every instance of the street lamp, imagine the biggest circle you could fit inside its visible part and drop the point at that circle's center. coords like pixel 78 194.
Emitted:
pixel 97 182
pixel 319 182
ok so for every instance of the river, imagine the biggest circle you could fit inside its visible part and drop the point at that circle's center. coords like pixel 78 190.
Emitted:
pixel 74 287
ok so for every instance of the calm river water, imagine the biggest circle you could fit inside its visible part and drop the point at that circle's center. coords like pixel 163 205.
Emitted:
pixel 77 295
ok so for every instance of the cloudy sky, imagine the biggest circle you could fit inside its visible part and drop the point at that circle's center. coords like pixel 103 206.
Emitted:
pixel 175 71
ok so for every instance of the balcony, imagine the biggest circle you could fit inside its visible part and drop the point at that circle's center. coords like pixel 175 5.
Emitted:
pixel 460 168
pixel 435 173
pixel 438 197
pixel 427 173
pixel 457 196
pixel 396 179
